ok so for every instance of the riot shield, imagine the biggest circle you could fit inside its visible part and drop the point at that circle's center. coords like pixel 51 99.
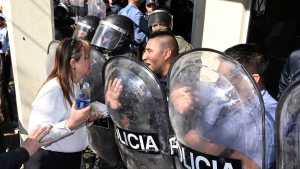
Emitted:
pixel 95 77
pixel 101 133
pixel 288 128
pixel 216 113
pixel 78 8
pixel 97 8
pixel 102 141
pixel 141 119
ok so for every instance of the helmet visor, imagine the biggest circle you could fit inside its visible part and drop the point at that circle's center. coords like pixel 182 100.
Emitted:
pixel 107 37
pixel 82 30
pixel 160 17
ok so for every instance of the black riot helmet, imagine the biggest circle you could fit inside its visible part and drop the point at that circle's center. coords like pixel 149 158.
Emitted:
pixel 86 27
pixel 61 10
pixel 161 18
pixel 114 32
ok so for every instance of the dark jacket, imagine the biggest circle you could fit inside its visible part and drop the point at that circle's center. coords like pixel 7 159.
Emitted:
pixel 13 159
pixel 290 72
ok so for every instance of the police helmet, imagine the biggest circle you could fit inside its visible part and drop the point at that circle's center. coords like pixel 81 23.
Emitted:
pixel 161 17
pixel 151 2
pixel 86 27
pixel 61 11
pixel 114 32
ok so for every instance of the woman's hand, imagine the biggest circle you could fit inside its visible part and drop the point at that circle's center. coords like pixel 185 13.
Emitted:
pixel 113 93
pixel 32 143
pixel 78 116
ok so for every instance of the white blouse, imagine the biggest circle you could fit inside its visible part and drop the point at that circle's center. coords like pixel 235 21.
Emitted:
pixel 50 107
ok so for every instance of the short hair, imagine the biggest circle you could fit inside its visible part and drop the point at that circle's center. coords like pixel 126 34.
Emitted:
pixel 249 55
pixel 170 42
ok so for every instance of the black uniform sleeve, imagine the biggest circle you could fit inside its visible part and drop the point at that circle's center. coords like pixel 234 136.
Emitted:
pixel 13 159
pixel 290 72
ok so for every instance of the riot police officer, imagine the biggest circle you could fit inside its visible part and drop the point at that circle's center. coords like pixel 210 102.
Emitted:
pixel 138 108
pixel 86 27
pixel 63 22
pixel 220 126
pixel 162 20
pixel 114 37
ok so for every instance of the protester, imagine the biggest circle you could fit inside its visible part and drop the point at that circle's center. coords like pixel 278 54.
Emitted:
pixel 14 159
pixel 160 51
pixel 160 20
pixel 54 105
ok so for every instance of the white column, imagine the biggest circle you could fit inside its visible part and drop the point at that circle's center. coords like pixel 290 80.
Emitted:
pixel 30 31
pixel 220 24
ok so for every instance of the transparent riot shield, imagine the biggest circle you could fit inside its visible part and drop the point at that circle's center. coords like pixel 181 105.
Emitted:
pixel 97 8
pixel 95 77
pixel 101 133
pixel 288 128
pixel 216 113
pixel 78 8
pixel 139 113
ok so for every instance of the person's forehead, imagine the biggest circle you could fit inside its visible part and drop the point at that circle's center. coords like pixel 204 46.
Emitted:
pixel 153 43
pixel 152 4
pixel 159 23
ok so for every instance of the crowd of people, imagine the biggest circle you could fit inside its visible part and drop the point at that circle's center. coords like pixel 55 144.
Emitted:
pixel 141 31
pixel 8 109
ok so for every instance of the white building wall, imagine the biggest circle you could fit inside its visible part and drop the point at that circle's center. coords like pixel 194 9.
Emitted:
pixel 30 31
pixel 223 23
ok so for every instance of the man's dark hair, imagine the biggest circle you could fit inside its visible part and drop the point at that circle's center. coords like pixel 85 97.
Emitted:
pixel 172 42
pixel 250 56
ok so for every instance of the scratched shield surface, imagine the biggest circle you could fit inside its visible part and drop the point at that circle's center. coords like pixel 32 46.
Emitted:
pixel 141 118
pixel 288 128
pixel 216 112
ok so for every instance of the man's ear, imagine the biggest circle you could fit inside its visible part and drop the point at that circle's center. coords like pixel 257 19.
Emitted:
pixel 256 78
pixel 167 53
